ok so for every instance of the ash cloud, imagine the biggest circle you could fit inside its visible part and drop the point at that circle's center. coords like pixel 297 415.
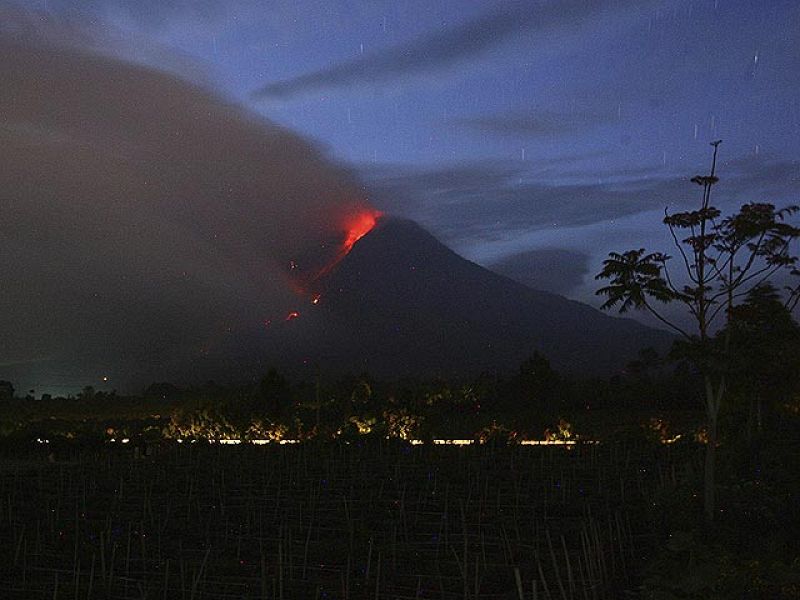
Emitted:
pixel 144 221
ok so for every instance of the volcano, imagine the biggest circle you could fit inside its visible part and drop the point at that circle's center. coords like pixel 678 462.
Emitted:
pixel 400 303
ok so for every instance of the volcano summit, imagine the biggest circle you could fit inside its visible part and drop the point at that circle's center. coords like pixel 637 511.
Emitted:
pixel 401 303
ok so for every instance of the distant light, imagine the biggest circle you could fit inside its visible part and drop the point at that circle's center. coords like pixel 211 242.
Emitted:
pixel 548 442
pixel 569 444
pixel 105 378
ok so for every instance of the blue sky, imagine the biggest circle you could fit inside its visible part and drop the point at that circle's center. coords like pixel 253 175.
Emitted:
pixel 537 135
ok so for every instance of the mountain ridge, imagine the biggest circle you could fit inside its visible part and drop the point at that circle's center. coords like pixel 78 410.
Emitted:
pixel 402 303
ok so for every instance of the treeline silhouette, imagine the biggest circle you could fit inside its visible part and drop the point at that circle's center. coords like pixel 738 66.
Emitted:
pixel 654 397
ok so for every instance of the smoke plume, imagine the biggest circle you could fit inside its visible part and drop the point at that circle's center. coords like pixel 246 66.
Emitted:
pixel 144 221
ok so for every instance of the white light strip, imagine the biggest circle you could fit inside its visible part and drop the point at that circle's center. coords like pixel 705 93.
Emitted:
pixel 548 443
pixel 437 442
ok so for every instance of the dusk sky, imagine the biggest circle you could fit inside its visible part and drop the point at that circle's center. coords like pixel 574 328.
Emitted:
pixel 519 132
pixel 530 137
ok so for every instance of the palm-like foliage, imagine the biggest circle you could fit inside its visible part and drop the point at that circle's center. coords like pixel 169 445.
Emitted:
pixel 634 277
pixel 722 260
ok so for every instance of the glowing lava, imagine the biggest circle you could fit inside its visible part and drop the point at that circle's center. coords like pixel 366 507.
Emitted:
pixel 358 226
pixel 304 274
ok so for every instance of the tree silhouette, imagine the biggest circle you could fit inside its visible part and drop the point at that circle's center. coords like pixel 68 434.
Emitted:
pixel 87 393
pixel 765 351
pixel 275 394
pixel 536 386
pixel 721 260
pixel 162 391
pixel 6 390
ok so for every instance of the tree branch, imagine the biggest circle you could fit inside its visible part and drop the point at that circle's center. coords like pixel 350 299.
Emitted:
pixel 679 246
pixel 666 322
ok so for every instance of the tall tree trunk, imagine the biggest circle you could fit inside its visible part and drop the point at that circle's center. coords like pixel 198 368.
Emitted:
pixel 713 400
pixel 709 486
pixel 760 428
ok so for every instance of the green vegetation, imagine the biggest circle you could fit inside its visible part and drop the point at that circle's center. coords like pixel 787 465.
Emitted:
pixel 529 404
pixel 711 430
pixel 746 545
pixel 722 260
pixel 651 433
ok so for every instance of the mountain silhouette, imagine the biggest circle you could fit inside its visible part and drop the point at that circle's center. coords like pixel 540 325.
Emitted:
pixel 402 303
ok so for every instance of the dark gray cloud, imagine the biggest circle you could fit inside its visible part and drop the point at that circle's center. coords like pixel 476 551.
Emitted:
pixel 492 200
pixel 538 123
pixel 761 179
pixel 444 48
pixel 143 220
pixel 153 13
pixel 408 191
pixel 149 14
pixel 551 269
pixel 63 26
pixel 485 201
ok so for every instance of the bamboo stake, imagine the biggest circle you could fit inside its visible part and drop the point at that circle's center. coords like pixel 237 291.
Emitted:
pixel 544 581
pixel 570 578
pixel 518 580
pixel 166 579
pixel 378 577
pixel 555 565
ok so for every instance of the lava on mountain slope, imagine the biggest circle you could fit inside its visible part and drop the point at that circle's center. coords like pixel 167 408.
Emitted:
pixel 305 272
pixel 357 227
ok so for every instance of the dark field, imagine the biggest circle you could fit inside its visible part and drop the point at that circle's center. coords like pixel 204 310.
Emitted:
pixel 337 521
